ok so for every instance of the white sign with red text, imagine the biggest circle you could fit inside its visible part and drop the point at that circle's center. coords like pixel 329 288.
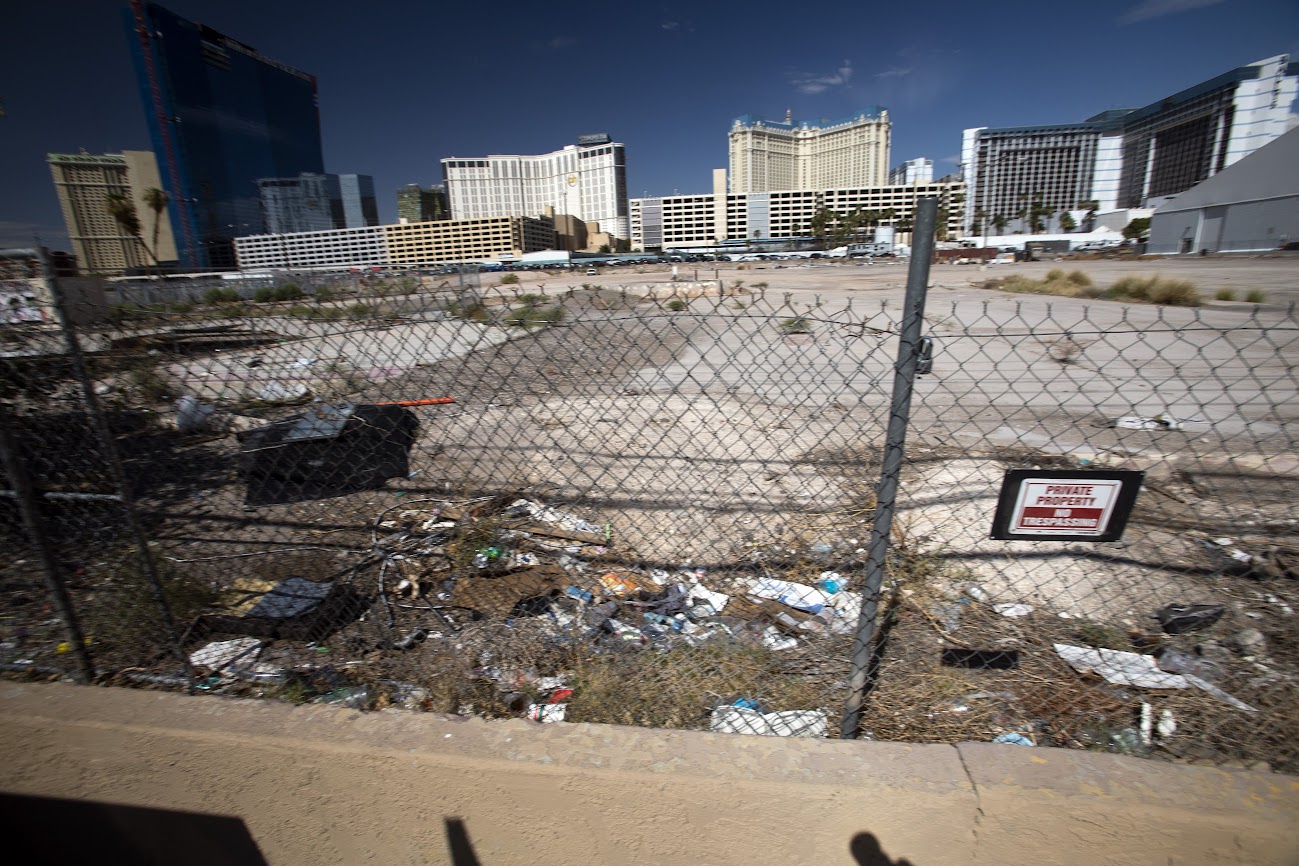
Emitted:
pixel 1050 506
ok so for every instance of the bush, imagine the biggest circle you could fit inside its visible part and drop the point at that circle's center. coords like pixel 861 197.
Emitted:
pixel 510 280
pixel 676 305
pixel 360 311
pixel 1156 290
pixel 220 295
pixel 1078 278
pixel 324 293
pixel 797 325
pixel 1224 295
pixel 286 292
pixel 1255 296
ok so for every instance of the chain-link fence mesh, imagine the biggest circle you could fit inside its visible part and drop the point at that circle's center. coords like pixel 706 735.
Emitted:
pixel 652 506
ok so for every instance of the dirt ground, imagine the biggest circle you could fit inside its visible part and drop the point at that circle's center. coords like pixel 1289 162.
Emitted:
pixel 724 436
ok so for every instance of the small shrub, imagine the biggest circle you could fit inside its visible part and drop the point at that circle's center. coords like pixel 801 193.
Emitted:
pixel 1174 293
pixel 532 300
pixel 181 307
pixel 324 293
pixel 1079 278
pixel 220 295
pixel 1255 296
pixel 1055 275
pixel 676 305
pixel 531 316
pixel 1224 295
pixel 761 285
pixel 510 280
pixel 1155 290
pixel 148 383
pixel 796 325
pixel 264 295
pixel 360 311
pixel 288 292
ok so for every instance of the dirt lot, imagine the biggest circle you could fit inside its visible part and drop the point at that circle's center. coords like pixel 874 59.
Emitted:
pixel 738 433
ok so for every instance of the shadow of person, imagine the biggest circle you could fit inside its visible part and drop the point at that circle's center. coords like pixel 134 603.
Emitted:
pixel 866 851
pixel 462 850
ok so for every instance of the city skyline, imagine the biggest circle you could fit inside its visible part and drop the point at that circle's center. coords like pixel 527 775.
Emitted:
pixel 666 81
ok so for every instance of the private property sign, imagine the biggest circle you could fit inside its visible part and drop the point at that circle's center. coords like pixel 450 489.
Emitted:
pixel 1065 505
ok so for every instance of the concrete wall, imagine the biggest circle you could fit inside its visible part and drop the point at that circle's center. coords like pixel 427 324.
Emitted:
pixel 318 785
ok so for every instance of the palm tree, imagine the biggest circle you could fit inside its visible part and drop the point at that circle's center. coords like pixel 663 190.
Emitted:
pixel 157 201
pixel 1067 223
pixel 978 220
pixel 1000 222
pixel 122 209
pixel 1089 219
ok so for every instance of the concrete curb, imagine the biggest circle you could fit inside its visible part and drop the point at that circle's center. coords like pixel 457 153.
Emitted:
pixel 323 785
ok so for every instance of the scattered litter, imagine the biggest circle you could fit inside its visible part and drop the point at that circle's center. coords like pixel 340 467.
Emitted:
pixel 193 416
pixel 1133 669
pixel 411 640
pixel 1167 725
pixel 1175 661
pixel 1013 739
pixel 804 724
pixel 1181 618
pixel 1219 693
pixel 545 514
pixel 618 585
pixel 976 592
pixel 352 697
pixel 1227 547
pixel 1285 608
pixel 233 656
pixel 831 581
pixel 774 640
pixel 1013 610
pixel 795 595
pixel 1158 422
pixel 716 601
pixel 1120 668
pixel 294 609
pixel 275 391
pixel 547 712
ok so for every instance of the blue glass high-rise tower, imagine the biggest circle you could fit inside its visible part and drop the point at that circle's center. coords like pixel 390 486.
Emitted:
pixel 221 116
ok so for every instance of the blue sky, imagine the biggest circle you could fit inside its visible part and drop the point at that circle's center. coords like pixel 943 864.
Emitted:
pixel 404 84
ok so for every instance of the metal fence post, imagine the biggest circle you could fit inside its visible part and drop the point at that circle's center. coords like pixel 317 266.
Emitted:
pixel 114 461
pixel 904 376
pixel 28 506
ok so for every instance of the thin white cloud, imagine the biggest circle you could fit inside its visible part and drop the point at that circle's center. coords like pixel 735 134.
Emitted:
pixel 955 159
pixel 1147 9
pixel 894 72
pixel 561 42
pixel 819 82
pixel 670 25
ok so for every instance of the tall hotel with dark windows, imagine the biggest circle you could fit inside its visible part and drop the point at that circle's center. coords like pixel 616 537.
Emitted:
pixel 221 116
pixel 1129 158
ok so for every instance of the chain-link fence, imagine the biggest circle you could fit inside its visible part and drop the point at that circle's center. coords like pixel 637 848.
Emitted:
pixel 654 506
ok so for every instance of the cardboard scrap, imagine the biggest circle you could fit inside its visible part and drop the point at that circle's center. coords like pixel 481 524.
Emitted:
pixel 498 595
